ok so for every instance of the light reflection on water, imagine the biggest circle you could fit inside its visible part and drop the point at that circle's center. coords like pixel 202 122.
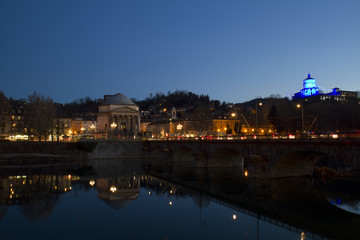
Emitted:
pixel 207 204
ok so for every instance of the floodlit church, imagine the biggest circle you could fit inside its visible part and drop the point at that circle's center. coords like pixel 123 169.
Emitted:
pixel 118 116
pixel 311 91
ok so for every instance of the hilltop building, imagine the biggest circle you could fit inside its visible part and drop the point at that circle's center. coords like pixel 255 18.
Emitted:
pixel 311 91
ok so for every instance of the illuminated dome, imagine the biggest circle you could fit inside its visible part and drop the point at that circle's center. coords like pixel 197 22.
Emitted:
pixel 309 87
pixel 309 82
pixel 117 99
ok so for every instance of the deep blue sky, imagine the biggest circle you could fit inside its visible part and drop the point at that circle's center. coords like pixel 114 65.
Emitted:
pixel 232 50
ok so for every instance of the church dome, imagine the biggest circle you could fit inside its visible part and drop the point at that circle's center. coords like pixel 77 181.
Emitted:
pixel 117 99
pixel 309 82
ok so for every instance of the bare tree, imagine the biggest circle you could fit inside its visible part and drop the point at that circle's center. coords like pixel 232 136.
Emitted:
pixel 5 109
pixel 40 115
pixel 202 120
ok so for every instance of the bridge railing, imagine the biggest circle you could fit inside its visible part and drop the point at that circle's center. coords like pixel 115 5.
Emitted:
pixel 329 136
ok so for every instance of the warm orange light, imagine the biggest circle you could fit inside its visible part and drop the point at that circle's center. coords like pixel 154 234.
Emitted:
pixel 92 183
pixel 303 235
pixel 113 189
pixel 113 125
pixel 246 173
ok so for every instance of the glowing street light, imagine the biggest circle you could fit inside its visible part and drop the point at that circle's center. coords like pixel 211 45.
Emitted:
pixel 302 117
pixel 113 189
pixel 92 183
pixel 113 125
pixel 256 115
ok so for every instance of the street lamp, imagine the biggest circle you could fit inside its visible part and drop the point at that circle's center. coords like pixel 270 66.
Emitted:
pixel 113 125
pixel 302 117
pixel 256 115
pixel 179 127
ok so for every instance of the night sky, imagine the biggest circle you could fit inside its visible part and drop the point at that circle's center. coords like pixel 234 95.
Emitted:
pixel 233 51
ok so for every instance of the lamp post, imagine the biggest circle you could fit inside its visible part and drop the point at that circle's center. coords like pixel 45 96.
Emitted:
pixel 302 117
pixel 179 128
pixel 236 125
pixel 113 127
pixel 256 115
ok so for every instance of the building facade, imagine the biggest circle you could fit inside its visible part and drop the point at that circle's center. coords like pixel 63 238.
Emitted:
pixel 118 116
pixel 88 127
pixel 193 128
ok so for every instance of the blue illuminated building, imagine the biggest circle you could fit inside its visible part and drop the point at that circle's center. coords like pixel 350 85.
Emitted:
pixel 309 88
pixel 311 91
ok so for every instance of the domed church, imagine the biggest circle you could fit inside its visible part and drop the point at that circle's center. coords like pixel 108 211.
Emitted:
pixel 118 116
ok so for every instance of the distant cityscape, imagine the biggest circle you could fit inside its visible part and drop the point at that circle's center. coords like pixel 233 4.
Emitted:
pixel 182 115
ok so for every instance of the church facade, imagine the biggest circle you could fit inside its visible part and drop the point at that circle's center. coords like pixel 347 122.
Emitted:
pixel 118 116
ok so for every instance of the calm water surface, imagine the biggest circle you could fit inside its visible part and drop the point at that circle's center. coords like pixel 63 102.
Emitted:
pixel 125 202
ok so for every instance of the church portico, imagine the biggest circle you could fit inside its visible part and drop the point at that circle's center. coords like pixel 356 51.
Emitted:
pixel 124 123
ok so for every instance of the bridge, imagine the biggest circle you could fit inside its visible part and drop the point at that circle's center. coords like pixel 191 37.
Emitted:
pixel 262 158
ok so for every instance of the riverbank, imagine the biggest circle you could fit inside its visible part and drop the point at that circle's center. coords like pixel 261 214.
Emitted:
pixel 44 152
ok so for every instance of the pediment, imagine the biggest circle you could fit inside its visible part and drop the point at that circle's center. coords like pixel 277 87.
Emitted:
pixel 125 110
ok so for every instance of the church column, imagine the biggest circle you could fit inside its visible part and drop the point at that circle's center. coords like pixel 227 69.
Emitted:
pixel 117 122
pixel 138 128
pixel 133 124
pixel 128 124
pixel 122 123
